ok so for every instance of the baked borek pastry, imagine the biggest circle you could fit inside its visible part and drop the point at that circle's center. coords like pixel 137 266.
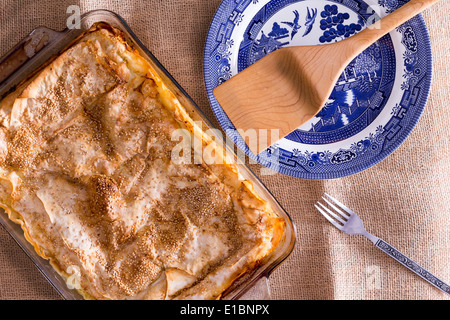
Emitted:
pixel 87 169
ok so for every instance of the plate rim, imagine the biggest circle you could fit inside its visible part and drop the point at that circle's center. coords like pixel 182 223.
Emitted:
pixel 419 109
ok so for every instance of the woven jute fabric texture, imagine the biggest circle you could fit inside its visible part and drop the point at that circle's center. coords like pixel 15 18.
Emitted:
pixel 403 200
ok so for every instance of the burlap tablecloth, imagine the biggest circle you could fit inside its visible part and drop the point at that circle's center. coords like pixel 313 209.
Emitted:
pixel 404 199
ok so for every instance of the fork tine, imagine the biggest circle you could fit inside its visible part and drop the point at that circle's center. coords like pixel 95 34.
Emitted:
pixel 345 215
pixel 331 213
pixel 340 204
pixel 332 221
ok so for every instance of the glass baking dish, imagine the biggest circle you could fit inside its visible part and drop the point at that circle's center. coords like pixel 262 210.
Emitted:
pixel 41 45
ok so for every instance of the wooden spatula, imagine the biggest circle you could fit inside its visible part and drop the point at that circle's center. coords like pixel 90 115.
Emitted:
pixel 289 86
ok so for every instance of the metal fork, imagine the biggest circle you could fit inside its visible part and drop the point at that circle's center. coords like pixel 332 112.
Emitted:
pixel 349 222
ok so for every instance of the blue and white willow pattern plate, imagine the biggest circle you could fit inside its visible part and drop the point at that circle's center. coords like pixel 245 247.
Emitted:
pixel 373 107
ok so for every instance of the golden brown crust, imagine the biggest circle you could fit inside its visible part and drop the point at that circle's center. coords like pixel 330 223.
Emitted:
pixel 86 169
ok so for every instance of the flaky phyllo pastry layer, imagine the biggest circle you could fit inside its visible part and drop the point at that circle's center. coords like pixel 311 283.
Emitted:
pixel 86 169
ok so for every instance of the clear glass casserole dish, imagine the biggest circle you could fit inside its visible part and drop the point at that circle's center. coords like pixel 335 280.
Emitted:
pixel 41 45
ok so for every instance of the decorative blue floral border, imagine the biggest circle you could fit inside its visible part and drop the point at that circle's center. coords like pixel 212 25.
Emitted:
pixel 362 154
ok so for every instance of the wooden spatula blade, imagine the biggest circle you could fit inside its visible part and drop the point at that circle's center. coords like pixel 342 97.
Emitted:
pixel 275 93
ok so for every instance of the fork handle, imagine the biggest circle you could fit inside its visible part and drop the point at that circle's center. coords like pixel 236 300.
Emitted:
pixel 411 265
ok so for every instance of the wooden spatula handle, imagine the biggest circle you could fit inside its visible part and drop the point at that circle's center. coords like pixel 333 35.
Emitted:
pixel 361 41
